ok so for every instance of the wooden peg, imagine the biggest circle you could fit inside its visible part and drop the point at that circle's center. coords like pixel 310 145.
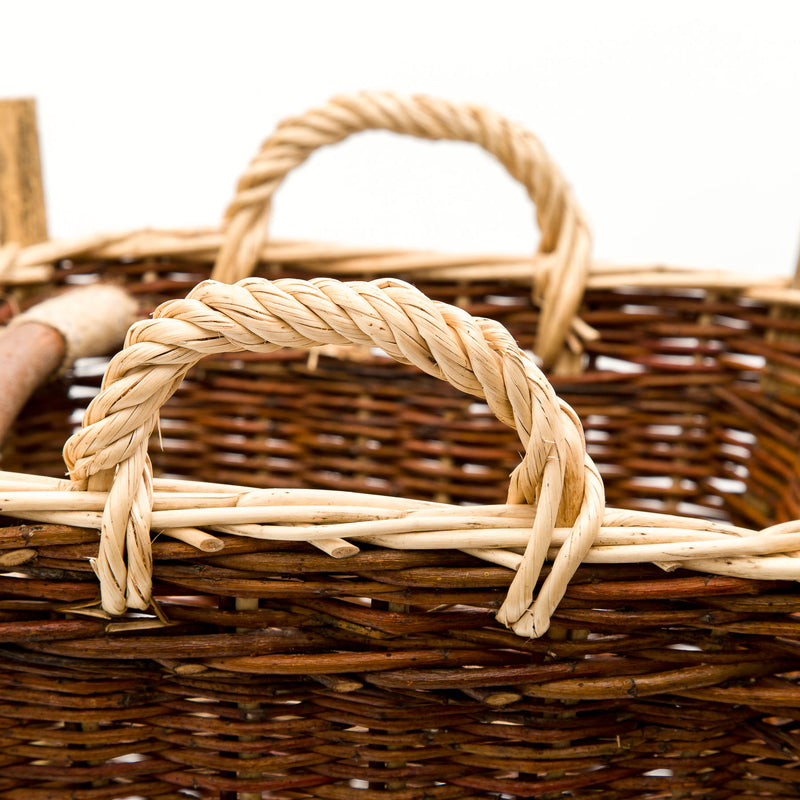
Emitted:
pixel 22 212
pixel 88 321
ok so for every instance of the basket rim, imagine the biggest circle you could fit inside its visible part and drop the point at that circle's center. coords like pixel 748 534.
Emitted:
pixel 37 263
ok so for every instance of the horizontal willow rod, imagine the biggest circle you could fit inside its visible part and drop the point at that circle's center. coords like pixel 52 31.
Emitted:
pixel 325 520
pixel 76 519
pixel 613 545
pixel 244 508
pixel 196 538
pixel 12 482
pixel 765 568
pixel 334 521
pixel 307 523
pixel 34 264
pixel 12 502
pixel 18 494
pixel 247 496
pixel 439 532
pixel 734 556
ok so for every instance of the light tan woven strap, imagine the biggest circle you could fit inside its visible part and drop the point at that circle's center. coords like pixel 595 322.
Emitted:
pixel 565 238
pixel 477 356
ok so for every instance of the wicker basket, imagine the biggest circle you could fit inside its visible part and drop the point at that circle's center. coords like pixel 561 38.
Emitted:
pixel 369 619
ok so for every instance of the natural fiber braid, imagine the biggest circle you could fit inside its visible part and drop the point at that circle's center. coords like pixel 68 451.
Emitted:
pixel 565 236
pixel 477 356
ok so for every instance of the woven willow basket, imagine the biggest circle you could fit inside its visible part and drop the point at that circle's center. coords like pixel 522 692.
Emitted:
pixel 368 582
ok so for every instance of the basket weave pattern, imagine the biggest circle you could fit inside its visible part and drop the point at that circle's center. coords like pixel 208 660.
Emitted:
pixel 287 673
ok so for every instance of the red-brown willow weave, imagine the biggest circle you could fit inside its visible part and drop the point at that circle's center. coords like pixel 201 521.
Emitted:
pixel 286 672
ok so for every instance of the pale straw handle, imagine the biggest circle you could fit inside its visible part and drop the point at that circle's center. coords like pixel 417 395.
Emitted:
pixel 477 356
pixel 565 238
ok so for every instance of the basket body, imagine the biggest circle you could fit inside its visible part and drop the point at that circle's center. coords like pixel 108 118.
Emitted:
pixel 269 669
pixel 288 674
pixel 690 400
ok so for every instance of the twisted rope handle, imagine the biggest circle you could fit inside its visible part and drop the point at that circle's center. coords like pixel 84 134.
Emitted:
pixel 477 356
pixel 565 238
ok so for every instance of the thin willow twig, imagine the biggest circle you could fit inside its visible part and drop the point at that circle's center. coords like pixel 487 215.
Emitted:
pixel 196 538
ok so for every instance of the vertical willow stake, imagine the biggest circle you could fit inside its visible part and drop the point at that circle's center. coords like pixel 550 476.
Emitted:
pixel 22 212
pixel 773 381
pixel 250 712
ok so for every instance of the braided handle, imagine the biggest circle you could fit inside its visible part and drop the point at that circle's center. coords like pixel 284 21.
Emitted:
pixel 565 238
pixel 477 356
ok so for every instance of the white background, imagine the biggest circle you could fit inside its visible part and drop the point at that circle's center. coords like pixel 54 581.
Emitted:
pixel 677 123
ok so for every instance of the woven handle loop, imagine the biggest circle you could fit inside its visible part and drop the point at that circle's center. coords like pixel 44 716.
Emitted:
pixel 475 355
pixel 565 239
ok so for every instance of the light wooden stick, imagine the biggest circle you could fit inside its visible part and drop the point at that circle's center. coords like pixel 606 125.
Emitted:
pixel 50 336
pixel 15 558
pixel 22 210
pixel 333 546
pixel 54 500
pixel 29 353
pixel 484 536
pixel 336 548
pixel 196 538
